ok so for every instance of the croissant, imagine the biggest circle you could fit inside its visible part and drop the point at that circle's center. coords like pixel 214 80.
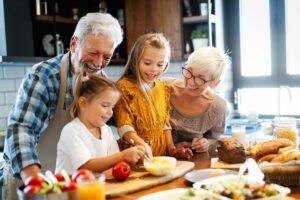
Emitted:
pixel 293 154
pixel 269 147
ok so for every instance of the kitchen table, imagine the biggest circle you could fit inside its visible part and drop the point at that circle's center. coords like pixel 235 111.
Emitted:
pixel 202 161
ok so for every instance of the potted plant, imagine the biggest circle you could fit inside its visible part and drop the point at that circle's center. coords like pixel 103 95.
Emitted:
pixel 199 38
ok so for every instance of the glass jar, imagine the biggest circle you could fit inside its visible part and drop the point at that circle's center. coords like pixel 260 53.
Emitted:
pixel 286 127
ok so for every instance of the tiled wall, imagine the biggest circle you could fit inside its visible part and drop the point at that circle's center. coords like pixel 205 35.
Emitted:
pixel 11 76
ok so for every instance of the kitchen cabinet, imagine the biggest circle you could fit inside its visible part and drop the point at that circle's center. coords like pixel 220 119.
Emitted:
pixel 40 20
pixel 146 16
pixel 61 18
pixel 25 32
pixel 197 24
pixel 175 21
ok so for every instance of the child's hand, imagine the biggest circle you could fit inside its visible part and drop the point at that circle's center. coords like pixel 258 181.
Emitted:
pixel 148 150
pixel 200 145
pixel 133 154
pixel 180 152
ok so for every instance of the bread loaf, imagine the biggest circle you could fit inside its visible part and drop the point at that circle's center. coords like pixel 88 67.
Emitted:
pixel 231 151
pixel 269 147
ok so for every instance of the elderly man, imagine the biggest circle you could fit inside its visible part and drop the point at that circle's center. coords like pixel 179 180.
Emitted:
pixel 45 95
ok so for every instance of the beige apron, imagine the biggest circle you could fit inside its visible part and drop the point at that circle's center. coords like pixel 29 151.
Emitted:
pixel 46 147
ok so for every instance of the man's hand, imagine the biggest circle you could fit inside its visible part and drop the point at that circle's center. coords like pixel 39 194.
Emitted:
pixel 30 170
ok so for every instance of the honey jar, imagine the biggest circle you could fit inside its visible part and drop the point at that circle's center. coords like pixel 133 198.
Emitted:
pixel 286 127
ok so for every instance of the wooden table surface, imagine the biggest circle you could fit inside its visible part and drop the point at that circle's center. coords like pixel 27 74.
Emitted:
pixel 202 161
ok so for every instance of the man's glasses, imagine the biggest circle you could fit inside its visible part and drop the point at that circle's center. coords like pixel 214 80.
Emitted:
pixel 198 80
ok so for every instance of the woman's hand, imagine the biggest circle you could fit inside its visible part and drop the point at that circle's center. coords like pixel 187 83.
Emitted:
pixel 133 154
pixel 200 145
pixel 180 152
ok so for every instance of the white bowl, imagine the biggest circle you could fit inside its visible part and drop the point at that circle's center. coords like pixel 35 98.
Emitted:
pixel 160 165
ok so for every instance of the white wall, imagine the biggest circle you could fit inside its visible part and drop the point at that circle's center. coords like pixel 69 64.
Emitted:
pixel 11 76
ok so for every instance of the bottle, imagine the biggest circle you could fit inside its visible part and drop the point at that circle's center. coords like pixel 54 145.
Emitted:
pixel 286 127
pixel 37 7
pixel 102 7
pixel 59 45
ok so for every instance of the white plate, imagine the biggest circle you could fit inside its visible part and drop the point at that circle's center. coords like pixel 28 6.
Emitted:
pixel 198 175
pixel 173 194
pixel 283 191
pixel 176 194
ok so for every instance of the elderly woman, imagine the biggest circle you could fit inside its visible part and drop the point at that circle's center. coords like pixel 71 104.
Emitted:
pixel 198 115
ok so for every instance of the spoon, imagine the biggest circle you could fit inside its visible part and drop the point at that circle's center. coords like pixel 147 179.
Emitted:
pixel 145 155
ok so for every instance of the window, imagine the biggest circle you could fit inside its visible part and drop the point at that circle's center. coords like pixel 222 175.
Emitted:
pixel 268 50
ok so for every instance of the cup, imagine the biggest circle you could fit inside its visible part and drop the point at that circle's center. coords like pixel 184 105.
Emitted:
pixel 92 189
pixel 239 132
pixel 203 9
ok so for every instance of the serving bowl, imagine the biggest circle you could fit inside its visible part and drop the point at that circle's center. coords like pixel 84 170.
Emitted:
pixel 160 165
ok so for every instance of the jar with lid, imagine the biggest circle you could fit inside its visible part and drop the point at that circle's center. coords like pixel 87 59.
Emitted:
pixel 286 127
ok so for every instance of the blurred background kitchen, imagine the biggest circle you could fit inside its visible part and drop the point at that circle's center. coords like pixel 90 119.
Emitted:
pixel 261 36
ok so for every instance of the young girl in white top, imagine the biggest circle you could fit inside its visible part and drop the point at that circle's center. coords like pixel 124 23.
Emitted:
pixel 87 142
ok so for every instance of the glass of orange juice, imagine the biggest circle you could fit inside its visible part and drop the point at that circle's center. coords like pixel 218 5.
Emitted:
pixel 92 189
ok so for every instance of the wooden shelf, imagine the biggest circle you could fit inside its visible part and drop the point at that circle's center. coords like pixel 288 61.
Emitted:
pixel 58 19
pixel 197 19
pixel 116 61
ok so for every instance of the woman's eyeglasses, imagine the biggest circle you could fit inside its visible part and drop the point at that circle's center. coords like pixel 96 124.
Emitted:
pixel 198 80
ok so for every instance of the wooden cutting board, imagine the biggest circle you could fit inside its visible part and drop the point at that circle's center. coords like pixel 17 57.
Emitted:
pixel 141 179
pixel 218 164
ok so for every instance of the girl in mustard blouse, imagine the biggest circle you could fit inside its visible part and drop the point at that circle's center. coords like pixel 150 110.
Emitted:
pixel 142 113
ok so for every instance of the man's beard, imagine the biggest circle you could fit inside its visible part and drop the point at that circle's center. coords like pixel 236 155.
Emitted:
pixel 87 67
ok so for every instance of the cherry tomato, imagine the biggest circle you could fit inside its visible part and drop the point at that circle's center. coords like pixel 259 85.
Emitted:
pixel 83 174
pixel 71 186
pixel 121 171
pixel 32 189
pixel 60 177
pixel 35 180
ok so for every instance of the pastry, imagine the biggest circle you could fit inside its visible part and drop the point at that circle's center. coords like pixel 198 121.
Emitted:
pixel 231 151
pixel 269 147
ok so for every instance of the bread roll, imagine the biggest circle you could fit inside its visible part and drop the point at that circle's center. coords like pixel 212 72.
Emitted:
pixel 268 147
pixel 231 151
pixel 286 156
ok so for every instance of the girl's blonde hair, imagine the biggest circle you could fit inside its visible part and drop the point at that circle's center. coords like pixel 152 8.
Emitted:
pixel 209 60
pixel 90 86
pixel 155 40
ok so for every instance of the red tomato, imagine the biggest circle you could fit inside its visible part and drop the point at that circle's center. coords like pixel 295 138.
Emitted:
pixel 60 177
pixel 35 180
pixel 71 186
pixel 83 174
pixel 32 189
pixel 121 171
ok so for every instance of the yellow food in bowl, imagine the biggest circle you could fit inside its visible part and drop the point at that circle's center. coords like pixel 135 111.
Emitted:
pixel 160 165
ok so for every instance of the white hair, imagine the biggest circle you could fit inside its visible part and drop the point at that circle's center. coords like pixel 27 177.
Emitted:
pixel 209 60
pixel 99 23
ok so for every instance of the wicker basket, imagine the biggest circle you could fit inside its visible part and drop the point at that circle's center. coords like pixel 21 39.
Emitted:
pixel 286 175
